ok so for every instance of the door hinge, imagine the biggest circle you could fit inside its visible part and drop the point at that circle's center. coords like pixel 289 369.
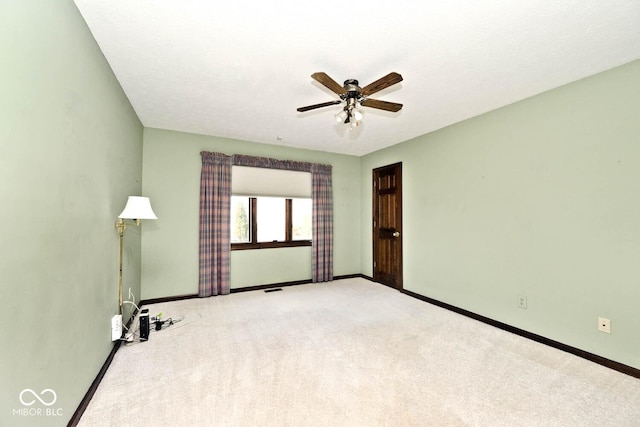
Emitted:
pixel 375 264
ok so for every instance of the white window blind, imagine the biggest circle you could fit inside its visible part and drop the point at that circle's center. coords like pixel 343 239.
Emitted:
pixel 248 181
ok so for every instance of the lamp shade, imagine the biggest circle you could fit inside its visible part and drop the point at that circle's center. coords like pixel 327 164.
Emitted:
pixel 138 208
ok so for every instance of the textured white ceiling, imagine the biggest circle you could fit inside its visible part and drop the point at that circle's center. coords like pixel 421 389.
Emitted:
pixel 239 69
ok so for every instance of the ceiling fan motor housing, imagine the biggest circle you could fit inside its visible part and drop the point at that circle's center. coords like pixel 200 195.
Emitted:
pixel 352 88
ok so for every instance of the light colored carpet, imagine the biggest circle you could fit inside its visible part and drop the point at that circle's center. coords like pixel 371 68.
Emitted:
pixel 349 353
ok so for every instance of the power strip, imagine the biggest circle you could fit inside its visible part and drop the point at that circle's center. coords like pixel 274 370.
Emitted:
pixel 116 327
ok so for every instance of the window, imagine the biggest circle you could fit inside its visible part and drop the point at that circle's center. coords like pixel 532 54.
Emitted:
pixel 270 222
pixel 301 219
pixel 240 220
pixel 271 219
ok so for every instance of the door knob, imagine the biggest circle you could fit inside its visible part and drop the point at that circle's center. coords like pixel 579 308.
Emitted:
pixel 396 234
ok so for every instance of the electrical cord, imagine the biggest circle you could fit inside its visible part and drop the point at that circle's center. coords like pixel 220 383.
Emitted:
pixel 184 322
pixel 168 322
pixel 132 303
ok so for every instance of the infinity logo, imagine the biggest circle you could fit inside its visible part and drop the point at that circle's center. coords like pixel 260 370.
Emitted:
pixel 35 395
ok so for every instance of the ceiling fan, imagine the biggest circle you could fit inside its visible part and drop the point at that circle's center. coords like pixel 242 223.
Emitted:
pixel 355 96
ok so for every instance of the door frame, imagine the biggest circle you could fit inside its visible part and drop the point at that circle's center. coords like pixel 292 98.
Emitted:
pixel 399 255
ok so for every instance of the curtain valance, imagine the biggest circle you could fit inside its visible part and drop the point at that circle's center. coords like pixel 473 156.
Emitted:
pixel 263 162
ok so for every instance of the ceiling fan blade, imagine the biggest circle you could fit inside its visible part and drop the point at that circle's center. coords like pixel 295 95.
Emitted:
pixel 328 82
pixel 324 104
pixel 381 105
pixel 383 83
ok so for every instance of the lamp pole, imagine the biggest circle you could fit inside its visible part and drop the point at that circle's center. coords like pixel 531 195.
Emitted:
pixel 120 226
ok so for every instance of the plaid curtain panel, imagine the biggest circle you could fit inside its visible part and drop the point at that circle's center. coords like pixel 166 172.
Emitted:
pixel 322 219
pixel 215 206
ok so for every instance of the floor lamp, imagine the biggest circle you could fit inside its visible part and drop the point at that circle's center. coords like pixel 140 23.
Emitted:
pixel 137 208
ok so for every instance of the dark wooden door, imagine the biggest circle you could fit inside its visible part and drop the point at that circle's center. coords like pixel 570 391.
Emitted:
pixel 387 225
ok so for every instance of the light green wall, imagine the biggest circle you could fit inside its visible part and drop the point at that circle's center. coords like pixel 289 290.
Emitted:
pixel 70 153
pixel 267 266
pixel 171 177
pixel 540 199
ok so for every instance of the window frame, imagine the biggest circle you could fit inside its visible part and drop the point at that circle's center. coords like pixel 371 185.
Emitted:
pixel 253 230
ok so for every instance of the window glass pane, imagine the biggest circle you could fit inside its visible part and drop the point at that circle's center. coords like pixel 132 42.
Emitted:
pixel 301 219
pixel 271 219
pixel 239 219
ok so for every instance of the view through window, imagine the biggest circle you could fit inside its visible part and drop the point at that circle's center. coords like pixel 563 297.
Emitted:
pixel 256 220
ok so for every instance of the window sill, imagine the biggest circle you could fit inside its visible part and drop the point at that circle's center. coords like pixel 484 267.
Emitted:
pixel 269 245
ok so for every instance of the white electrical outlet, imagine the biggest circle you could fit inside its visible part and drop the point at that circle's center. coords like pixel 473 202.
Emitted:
pixel 522 301
pixel 116 327
pixel 604 325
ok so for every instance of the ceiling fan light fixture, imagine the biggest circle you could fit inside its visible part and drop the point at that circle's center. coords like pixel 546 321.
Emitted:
pixel 356 117
pixel 342 116
pixel 357 114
